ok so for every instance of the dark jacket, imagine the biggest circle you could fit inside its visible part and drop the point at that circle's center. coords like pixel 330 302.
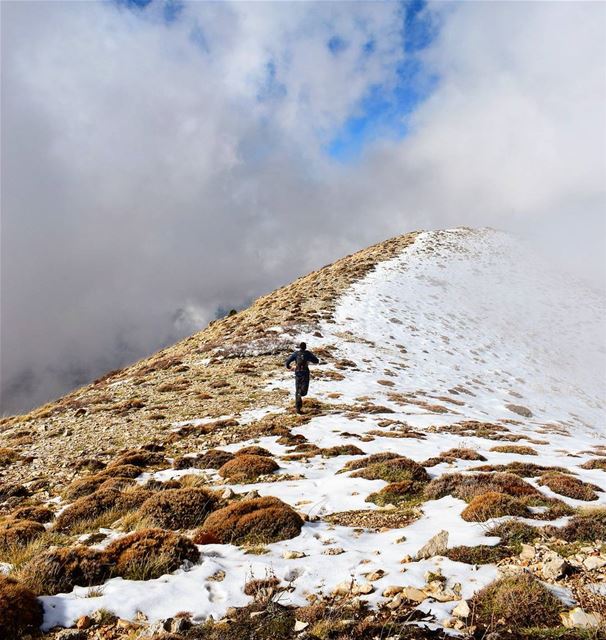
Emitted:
pixel 309 357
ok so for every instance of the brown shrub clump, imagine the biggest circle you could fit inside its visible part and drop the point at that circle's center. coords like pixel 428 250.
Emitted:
pixel 516 602
pixel 467 486
pixel 342 450
pixel 515 448
pixel 97 503
pixel 246 468
pixel 137 458
pixel 482 554
pixel 595 463
pixel 396 469
pixel 34 512
pixel 8 456
pixel 89 484
pixel 261 586
pixel 513 533
pixel 256 521
pixel 568 486
pixel 20 611
pixel 454 454
pixel 587 526
pixel 352 465
pixel 60 570
pixel 522 469
pixel 150 553
pixel 396 492
pixel 214 459
pixel 179 508
pixel 19 532
pixel 253 450
pixel 492 505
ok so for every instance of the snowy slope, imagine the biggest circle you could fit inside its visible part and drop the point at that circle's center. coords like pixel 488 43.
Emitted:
pixel 462 325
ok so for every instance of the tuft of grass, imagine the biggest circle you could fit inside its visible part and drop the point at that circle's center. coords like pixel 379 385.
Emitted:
pixel 595 463
pixel 587 526
pixel 179 508
pixel 568 486
pixel 515 448
pixel 493 505
pixel 515 602
pixel 482 554
pixel 256 521
pixel 397 469
pixel 514 534
pixel 247 468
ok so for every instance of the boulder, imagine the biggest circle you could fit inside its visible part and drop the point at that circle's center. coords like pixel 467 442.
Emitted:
pixel 435 546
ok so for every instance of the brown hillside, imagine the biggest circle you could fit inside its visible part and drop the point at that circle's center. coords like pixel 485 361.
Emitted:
pixel 218 371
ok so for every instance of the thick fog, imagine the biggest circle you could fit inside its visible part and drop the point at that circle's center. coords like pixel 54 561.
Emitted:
pixel 163 162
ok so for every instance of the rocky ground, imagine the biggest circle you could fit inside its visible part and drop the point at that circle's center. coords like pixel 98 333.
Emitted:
pixel 448 475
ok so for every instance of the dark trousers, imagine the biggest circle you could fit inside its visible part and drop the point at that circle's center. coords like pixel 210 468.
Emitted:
pixel 301 383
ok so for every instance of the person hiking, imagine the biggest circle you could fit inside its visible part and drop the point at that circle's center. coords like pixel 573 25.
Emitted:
pixel 301 358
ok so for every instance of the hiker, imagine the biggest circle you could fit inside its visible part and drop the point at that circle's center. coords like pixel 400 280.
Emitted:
pixel 301 357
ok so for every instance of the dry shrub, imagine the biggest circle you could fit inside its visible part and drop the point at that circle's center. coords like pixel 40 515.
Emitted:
pixel 85 486
pixel 214 459
pixel 522 469
pixel 461 453
pixel 179 508
pixel 515 448
pixel 261 587
pixel 587 526
pixel 595 463
pixel 8 456
pixel 13 490
pixel 60 570
pixel 467 486
pixel 397 492
pixel 492 505
pixel 96 504
pixel 246 468
pixel 352 465
pixel 516 602
pixel 342 450
pixel 256 521
pixel 514 533
pixel 20 611
pixel 568 486
pixel 19 532
pixel 482 554
pixel 253 450
pixel 137 458
pixel 393 470
pixel 33 512
pixel 150 553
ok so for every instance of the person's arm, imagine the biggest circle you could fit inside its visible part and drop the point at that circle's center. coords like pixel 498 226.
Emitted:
pixel 312 358
pixel 290 360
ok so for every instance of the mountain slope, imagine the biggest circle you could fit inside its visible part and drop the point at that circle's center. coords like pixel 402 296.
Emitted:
pixel 444 353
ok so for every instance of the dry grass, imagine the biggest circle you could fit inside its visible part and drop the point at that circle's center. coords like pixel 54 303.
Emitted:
pixel 407 491
pixel 396 469
pixel 256 521
pixel 514 534
pixel 8 456
pixel 489 505
pixel 247 468
pixel 515 602
pixel 522 469
pixel 33 512
pixel 149 553
pixel 459 453
pixel 515 448
pixel 253 450
pixel 482 554
pixel 212 459
pixel 353 465
pixel 467 486
pixel 568 486
pixel 595 463
pixel 588 526
pixel 137 458
pixel 18 532
pixel 60 570
pixel 341 450
pixel 20 611
pixel 179 508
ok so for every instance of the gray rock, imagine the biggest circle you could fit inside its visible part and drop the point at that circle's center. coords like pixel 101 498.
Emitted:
pixel 435 546
pixel 554 567
pixel 71 634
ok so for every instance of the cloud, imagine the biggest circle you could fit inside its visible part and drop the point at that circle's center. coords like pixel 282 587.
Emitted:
pixel 155 170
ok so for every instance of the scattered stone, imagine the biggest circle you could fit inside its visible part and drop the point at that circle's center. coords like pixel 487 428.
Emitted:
pixel 351 587
pixel 375 575
pixel 292 555
pixel 462 610
pixel 228 494
pixel 300 625
pixel 554 566
pixel 392 590
pixel 528 552
pixel 83 622
pixel 71 634
pixel 581 619
pixel 251 495
pixel 414 594
pixel 435 546
pixel 179 625
pixel 591 563
pixel 333 551
pixel 520 410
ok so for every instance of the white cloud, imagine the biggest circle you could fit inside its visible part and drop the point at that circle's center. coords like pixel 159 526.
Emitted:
pixel 142 174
